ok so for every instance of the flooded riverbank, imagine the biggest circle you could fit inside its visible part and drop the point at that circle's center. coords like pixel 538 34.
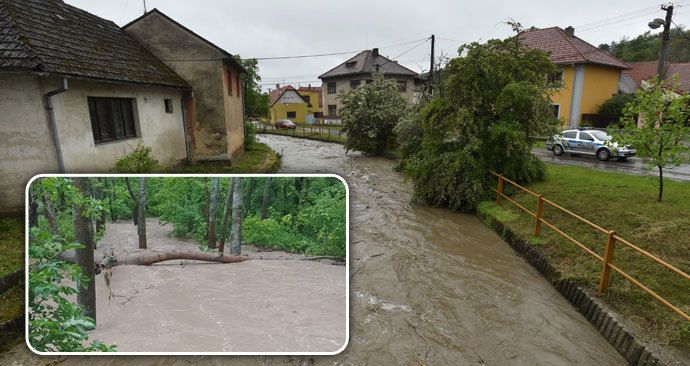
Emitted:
pixel 430 286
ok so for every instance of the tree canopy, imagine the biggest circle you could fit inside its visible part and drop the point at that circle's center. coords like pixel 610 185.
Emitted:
pixel 646 46
pixel 496 99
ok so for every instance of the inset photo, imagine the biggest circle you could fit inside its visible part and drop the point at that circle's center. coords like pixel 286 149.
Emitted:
pixel 178 264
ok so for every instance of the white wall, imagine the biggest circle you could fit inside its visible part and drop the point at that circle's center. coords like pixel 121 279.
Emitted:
pixel 290 97
pixel 26 146
pixel 161 131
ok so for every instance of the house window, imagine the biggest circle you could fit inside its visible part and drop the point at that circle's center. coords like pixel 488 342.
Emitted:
pixel 168 105
pixel 331 88
pixel 555 79
pixel 291 114
pixel 112 118
pixel 354 84
pixel 556 110
pixel 332 110
pixel 402 85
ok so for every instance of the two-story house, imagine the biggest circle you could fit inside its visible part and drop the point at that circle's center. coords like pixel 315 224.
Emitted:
pixel 302 105
pixel 586 76
pixel 359 69
pixel 215 110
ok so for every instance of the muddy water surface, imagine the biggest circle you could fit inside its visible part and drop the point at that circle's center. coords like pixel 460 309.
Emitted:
pixel 187 306
pixel 430 286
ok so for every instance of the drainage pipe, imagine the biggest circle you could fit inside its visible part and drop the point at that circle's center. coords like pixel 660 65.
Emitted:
pixel 53 123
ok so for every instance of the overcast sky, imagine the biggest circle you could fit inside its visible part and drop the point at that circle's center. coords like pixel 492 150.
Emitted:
pixel 268 28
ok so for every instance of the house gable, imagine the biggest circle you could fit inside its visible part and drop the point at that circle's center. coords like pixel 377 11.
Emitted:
pixel 290 96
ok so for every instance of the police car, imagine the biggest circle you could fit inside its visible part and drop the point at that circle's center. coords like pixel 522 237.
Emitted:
pixel 588 142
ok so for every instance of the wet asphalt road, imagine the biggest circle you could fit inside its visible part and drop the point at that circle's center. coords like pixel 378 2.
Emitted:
pixel 630 166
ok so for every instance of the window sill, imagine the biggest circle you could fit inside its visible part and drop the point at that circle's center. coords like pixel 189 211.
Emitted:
pixel 116 141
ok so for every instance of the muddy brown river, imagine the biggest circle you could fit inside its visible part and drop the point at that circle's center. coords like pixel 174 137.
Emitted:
pixel 428 286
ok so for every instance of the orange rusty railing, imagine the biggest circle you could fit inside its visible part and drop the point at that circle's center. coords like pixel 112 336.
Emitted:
pixel 611 239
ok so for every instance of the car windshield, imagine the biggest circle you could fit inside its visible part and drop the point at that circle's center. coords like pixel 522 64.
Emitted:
pixel 600 135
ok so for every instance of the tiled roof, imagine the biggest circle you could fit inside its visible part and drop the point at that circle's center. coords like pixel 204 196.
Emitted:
pixel 641 71
pixel 567 49
pixel 365 63
pixel 52 37
pixel 274 94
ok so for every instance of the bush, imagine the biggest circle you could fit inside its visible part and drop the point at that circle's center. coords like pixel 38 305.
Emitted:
pixel 138 161
pixel 270 233
pixel 369 114
pixel 616 104
pixel 249 135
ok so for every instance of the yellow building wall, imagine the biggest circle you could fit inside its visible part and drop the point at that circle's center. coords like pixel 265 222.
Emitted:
pixel 600 84
pixel 279 111
pixel 563 96
pixel 314 100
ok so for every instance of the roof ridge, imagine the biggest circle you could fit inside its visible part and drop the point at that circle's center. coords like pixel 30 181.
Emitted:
pixel 567 38
pixel 348 60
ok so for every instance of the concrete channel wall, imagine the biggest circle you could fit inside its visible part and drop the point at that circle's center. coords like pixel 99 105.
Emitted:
pixel 599 315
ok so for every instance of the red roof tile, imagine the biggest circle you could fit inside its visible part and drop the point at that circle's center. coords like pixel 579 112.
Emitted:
pixel 641 71
pixel 566 49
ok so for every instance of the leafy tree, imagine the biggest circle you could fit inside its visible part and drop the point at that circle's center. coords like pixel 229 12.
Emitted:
pixel 255 102
pixel 646 46
pixel 370 113
pixel 86 297
pixel 616 104
pixel 662 135
pixel 496 99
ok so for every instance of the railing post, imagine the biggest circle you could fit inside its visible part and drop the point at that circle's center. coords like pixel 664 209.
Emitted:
pixel 499 190
pixel 608 259
pixel 540 211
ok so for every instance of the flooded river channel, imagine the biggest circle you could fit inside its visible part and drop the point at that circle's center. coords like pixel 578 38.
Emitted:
pixel 429 286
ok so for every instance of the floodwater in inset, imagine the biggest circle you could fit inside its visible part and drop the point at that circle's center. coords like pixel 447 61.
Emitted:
pixel 429 286
pixel 267 304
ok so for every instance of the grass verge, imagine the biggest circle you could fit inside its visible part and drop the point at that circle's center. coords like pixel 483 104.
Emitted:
pixel 626 204
pixel 11 245
pixel 258 158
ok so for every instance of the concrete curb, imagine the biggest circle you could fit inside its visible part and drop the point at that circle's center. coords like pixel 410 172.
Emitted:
pixel 10 280
pixel 605 321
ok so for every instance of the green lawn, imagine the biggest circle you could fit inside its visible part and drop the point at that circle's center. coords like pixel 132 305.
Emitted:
pixel 11 245
pixel 259 158
pixel 626 204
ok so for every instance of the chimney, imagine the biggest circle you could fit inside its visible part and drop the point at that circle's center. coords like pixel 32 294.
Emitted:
pixel 375 52
pixel 277 86
pixel 570 31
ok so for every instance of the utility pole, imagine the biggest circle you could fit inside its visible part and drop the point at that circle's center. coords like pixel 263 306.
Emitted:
pixel 431 65
pixel 661 69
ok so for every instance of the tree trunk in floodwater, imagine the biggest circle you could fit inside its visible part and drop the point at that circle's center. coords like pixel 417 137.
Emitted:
pixel 227 211
pixel 135 200
pixel 265 199
pixel 212 211
pixel 99 195
pixel 50 212
pixel 661 184
pixel 86 297
pixel 141 228
pixel 109 188
pixel 33 210
pixel 248 200
pixel 146 259
pixel 236 233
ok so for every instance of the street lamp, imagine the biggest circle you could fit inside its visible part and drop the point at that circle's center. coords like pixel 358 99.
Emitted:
pixel 656 23
pixel 666 23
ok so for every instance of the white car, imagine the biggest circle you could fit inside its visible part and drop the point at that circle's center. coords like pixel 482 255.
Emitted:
pixel 588 142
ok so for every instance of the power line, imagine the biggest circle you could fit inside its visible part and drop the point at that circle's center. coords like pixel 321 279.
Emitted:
pixel 618 17
pixel 332 53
